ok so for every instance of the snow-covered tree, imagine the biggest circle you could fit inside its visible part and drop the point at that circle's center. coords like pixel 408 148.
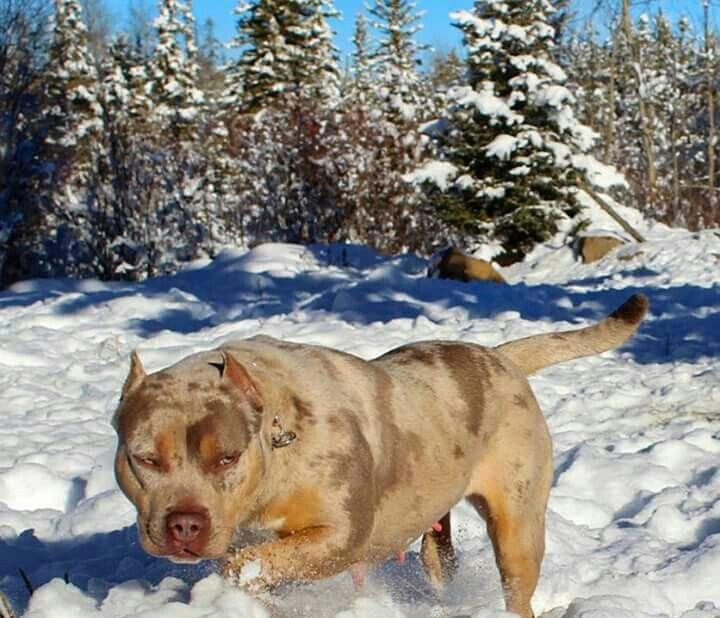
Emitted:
pixel 210 59
pixel 447 69
pixel 74 115
pixel 51 235
pixel 589 78
pixel 361 83
pixel 177 99
pixel 511 151
pixel 123 197
pixel 321 51
pixel 126 82
pixel 98 22
pixel 397 57
pixel 285 48
pixel 379 137
pixel 25 29
pixel 288 174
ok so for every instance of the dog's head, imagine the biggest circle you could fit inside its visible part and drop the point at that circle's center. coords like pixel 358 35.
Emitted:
pixel 192 454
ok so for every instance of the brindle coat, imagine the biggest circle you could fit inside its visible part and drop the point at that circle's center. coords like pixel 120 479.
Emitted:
pixel 382 450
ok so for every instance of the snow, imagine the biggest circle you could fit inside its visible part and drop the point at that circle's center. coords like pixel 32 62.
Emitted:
pixel 502 146
pixel 484 101
pixel 597 173
pixel 633 524
pixel 440 173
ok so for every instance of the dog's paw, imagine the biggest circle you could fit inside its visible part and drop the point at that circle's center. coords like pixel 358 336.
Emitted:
pixel 245 569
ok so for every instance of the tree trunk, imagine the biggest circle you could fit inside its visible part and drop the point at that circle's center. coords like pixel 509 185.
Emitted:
pixel 613 213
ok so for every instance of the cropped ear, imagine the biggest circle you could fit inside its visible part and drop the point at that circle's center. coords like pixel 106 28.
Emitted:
pixel 238 375
pixel 135 376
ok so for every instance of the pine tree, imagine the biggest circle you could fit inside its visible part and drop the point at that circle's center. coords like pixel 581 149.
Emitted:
pixel 174 72
pixel 125 84
pixel 381 126
pixel 25 29
pixel 51 237
pixel 210 60
pixel 635 150
pixel 670 72
pixel 74 116
pixel 321 52
pixel 690 111
pixel 507 167
pixel 127 175
pixel 358 142
pixel 446 70
pixel 588 78
pixel 286 48
pixel 396 58
pixel 361 83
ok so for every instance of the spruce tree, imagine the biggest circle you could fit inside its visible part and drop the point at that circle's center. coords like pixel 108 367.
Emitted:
pixel 286 48
pixel 49 236
pixel 361 62
pixel 387 211
pixel 74 115
pixel 210 59
pixel 397 57
pixel 56 236
pixel 174 72
pixel 131 172
pixel 507 165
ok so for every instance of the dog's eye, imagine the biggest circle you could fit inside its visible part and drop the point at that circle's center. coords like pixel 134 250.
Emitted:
pixel 147 462
pixel 228 460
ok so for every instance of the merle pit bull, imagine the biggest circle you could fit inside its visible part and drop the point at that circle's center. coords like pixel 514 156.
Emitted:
pixel 346 461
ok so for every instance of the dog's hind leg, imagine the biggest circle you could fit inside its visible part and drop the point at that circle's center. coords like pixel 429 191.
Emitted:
pixel 438 554
pixel 512 498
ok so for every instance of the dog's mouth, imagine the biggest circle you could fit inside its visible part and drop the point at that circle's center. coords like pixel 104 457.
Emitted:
pixel 184 556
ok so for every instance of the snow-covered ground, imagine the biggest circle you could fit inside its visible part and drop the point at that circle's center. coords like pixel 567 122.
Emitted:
pixel 634 517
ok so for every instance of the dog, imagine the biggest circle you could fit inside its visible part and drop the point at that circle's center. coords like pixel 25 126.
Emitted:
pixel 345 462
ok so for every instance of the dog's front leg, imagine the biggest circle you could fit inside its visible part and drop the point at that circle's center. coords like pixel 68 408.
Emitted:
pixel 313 553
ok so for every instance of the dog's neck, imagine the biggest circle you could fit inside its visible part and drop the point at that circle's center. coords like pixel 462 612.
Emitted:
pixel 280 438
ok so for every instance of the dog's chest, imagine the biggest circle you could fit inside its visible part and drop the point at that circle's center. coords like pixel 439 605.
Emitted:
pixel 297 511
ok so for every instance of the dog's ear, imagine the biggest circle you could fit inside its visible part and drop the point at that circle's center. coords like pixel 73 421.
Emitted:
pixel 238 375
pixel 135 376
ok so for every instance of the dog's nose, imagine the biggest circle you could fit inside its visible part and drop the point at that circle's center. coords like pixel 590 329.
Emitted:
pixel 186 527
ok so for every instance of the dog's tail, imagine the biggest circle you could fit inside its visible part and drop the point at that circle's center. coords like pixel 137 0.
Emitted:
pixel 534 353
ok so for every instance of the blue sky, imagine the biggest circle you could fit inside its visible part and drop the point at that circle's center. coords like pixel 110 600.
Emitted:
pixel 437 30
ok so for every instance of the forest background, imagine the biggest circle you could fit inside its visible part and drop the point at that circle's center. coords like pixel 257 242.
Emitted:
pixel 133 141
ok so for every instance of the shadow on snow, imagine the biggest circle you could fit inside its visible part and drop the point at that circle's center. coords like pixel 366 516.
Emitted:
pixel 356 285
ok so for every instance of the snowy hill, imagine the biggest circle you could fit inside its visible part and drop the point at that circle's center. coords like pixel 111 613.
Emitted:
pixel 634 516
